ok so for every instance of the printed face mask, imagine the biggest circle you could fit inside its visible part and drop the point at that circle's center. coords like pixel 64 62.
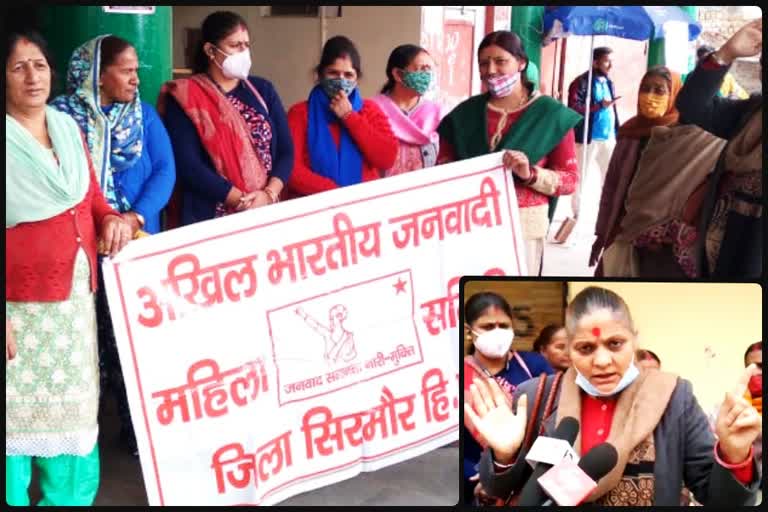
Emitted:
pixel 237 65
pixel 652 106
pixel 332 86
pixel 495 343
pixel 501 86
pixel 419 81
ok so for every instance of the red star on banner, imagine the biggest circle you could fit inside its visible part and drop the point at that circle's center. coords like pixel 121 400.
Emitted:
pixel 400 286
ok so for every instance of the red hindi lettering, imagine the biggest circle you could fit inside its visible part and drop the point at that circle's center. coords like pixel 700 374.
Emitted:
pixel 324 424
pixel 151 304
pixel 165 409
pixel 433 389
pixel 488 191
pixel 233 454
pixel 278 449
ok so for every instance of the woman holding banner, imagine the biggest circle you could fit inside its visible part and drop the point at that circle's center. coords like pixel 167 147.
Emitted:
pixel 535 131
pixel 659 433
pixel 340 139
pixel 229 131
pixel 54 213
pixel 414 119
pixel 132 152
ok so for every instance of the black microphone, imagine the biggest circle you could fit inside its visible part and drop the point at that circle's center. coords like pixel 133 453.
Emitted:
pixel 570 485
pixel 532 494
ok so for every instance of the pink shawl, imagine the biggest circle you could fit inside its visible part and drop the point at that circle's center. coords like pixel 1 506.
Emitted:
pixel 419 128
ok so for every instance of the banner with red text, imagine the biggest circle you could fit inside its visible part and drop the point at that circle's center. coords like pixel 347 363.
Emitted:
pixel 283 349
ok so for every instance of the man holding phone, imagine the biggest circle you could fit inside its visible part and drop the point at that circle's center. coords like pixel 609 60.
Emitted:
pixel 603 121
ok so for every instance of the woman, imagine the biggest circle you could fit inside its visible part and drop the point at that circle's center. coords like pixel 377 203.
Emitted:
pixel 413 118
pixel 647 359
pixel 551 343
pixel 535 131
pixel 489 320
pixel 732 215
pixel 652 419
pixel 340 139
pixel 54 210
pixel 229 132
pixel 629 190
pixel 133 155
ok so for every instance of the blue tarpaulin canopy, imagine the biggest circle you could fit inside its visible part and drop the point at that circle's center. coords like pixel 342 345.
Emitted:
pixel 636 22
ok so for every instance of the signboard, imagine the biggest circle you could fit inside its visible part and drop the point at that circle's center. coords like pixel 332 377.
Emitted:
pixel 283 349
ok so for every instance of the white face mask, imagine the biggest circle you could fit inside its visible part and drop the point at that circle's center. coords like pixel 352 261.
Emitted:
pixel 237 65
pixel 495 343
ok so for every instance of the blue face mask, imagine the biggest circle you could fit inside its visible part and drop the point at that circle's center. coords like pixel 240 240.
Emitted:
pixel 332 86
pixel 628 378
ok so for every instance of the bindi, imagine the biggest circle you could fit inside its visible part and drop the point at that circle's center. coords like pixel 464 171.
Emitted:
pixel 596 332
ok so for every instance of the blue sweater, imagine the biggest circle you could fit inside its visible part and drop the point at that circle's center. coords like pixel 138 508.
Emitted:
pixel 201 186
pixel 149 182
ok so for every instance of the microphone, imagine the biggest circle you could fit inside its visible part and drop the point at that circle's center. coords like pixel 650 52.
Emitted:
pixel 569 484
pixel 548 451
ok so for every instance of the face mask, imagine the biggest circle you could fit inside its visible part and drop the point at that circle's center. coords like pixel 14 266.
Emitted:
pixel 419 81
pixel 502 85
pixel 495 343
pixel 628 378
pixel 332 86
pixel 237 65
pixel 652 106
pixel 756 385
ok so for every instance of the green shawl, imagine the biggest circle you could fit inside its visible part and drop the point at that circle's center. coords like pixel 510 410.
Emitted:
pixel 541 127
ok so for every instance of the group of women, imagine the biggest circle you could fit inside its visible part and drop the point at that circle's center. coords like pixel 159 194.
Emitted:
pixel 683 192
pixel 95 167
pixel 666 450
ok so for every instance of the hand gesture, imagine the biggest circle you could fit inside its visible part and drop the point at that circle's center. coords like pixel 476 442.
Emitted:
pixel 115 234
pixel 746 42
pixel 489 413
pixel 738 423
pixel 10 342
pixel 340 105
pixel 517 162
pixel 253 200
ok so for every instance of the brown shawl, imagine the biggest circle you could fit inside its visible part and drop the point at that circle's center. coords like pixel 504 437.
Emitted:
pixel 638 411
pixel 745 151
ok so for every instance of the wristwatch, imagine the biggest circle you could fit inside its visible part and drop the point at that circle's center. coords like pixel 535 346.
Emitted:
pixel 717 59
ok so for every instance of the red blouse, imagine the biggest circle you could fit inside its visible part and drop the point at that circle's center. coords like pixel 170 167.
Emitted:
pixel 369 129
pixel 40 256
pixel 562 160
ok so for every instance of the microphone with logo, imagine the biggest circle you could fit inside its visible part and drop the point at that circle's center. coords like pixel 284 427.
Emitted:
pixel 568 484
pixel 545 453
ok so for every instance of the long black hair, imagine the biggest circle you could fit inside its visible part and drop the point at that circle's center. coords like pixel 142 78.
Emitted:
pixel 216 27
pixel 511 42
pixel 400 58
pixel 34 37
pixel 481 302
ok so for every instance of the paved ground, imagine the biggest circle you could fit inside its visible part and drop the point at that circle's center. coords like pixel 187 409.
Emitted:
pixel 429 480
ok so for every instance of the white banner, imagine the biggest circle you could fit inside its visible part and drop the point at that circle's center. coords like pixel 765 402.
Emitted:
pixel 280 350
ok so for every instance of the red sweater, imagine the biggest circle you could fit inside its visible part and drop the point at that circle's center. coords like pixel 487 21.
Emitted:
pixel 370 130
pixel 40 256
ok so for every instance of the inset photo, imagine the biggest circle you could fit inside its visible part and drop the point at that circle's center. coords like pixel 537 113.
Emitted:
pixel 611 393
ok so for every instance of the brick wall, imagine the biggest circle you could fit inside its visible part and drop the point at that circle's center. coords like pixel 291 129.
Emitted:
pixel 718 24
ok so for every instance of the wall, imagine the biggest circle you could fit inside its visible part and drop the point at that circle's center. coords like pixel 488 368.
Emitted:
pixel 284 50
pixel 679 322
pixel 536 305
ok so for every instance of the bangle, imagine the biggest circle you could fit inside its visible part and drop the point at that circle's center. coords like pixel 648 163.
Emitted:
pixel 502 466
pixel 740 465
pixel 534 176
pixel 273 197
